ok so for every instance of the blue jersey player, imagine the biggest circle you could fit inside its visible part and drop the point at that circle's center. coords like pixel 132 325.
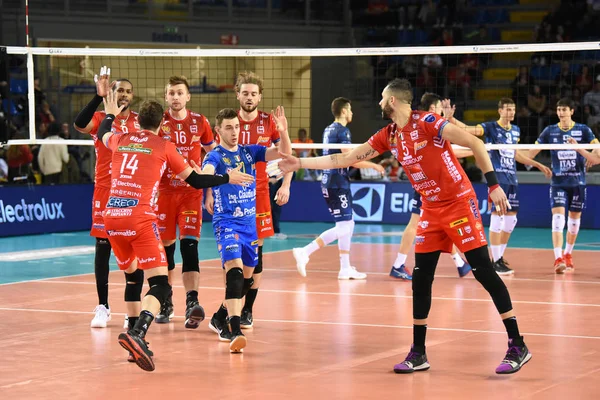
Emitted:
pixel 335 186
pixel 234 218
pixel 504 163
pixel 567 190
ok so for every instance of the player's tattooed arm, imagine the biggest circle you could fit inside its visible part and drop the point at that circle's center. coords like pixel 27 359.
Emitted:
pixel 341 160
pixel 367 155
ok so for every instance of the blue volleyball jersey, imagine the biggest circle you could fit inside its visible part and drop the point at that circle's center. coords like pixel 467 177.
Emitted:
pixel 503 161
pixel 335 178
pixel 568 166
pixel 234 203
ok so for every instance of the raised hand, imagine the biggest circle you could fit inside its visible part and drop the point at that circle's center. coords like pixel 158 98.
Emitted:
pixel 111 105
pixel 102 82
pixel 280 119
pixel 236 177
pixel 448 109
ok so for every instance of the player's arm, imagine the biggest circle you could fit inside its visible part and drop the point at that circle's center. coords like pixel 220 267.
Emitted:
pixel 592 157
pixel 203 180
pixel 448 113
pixel 340 160
pixel 209 147
pixel 520 157
pixel 112 108
pixel 366 164
pixel 83 121
pixel 542 139
pixel 458 136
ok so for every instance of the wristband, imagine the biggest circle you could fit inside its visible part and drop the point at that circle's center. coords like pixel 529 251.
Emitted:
pixel 491 179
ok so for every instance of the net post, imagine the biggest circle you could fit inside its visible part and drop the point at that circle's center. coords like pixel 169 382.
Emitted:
pixel 31 95
pixel 4 76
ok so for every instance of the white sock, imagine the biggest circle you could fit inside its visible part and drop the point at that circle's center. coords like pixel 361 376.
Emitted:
pixel 502 248
pixel 458 261
pixel 496 252
pixel 311 247
pixel 344 260
pixel 557 253
pixel 400 260
pixel 569 248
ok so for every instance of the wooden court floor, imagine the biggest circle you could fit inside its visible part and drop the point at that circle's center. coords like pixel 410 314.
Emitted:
pixel 314 337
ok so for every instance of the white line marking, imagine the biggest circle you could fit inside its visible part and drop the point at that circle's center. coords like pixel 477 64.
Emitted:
pixel 47 253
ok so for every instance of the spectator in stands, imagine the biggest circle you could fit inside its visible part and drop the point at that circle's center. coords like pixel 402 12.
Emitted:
pixel 52 157
pixel 592 98
pixel 18 158
pixel 306 174
pixel 73 169
pixel 564 80
pixel 393 171
pixel 407 13
pixel 3 168
pixel 536 101
pixel 584 79
pixel 521 85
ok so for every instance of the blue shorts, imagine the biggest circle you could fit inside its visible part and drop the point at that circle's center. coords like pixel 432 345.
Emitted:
pixel 339 202
pixel 571 197
pixel 512 194
pixel 237 241
pixel 416 203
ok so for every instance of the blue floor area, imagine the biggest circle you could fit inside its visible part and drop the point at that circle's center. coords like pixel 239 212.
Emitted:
pixel 299 234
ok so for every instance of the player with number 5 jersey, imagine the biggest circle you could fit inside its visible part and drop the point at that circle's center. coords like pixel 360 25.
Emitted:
pixel 179 204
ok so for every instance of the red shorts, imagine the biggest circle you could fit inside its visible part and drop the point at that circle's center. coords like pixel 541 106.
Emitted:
pixel 98 205
pixel 458 223
pixel 133 238
pixel 264 221
pixel 180 209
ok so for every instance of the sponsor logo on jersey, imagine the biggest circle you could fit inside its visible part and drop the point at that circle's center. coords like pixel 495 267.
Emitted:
pixel 121 202
pixel 467 240
pixel 420 145
pixel 262 139
pixel 134 148
pixel 194 128
pixel 459 222
pixel 166 128
pixel 190 212
pixel 414 135
pixel 429 118
pixel 260 129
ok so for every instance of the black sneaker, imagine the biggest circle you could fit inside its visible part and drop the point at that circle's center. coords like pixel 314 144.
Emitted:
pixel 238 342
pixel 194 314
pixel 505 262
pixel 414 361
pixel 516 357
pixel 131 358
pixel 166 312
pixel 246 320
pixel 138 348
pixel 221 328
pixel 501 268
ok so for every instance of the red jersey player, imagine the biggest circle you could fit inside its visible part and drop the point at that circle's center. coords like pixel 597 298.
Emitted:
pixel 258 127
pixel 178 203
pixel 88 121
pixel 450 212
pixel 139 160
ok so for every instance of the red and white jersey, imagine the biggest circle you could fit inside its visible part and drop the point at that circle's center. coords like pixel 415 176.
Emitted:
pixel 427 158
pixel 139 160
pixel 104 155
pixel 188 135
pixel 261 130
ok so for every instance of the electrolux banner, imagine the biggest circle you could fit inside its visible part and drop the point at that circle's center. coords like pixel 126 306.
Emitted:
pixel 388 202
pixel 36 209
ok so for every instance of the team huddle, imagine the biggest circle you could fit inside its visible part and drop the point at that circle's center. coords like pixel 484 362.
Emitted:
pixel 150 178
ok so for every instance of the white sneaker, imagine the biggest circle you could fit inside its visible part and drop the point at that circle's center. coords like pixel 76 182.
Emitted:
pixel 101 318
pixel 351 273
pixel 301 259
pixel 126 323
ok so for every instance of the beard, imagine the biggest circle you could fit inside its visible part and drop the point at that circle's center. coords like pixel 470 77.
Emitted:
pixel 126 105
pixel 248 108
pixel 386 112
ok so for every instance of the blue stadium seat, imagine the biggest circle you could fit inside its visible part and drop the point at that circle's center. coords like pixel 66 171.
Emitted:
pixel 18 86
pixel 6 104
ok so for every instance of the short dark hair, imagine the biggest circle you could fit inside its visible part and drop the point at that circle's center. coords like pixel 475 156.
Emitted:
pixel 226 113
pixel 401 89
pixel 150 115
pixel 337 105
pixel 566 102
pixel 505 101
pixel 124 80
pixel 178 80
pixel 428 99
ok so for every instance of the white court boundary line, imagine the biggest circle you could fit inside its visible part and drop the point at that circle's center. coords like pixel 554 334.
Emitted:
pixel 283 321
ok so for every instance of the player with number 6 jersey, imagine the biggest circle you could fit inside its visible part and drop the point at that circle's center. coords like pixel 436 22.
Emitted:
pixel 180 205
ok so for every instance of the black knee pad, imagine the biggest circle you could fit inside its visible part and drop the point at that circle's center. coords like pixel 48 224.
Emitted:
pixel 134 283
pixel 247 285
pixel 483 271
pixel 159 288
pixel 422 280
pixel 189 254
pixel 170 252
pixel 258 268
pixel 234 284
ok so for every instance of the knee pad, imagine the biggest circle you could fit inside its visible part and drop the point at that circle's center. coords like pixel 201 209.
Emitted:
pixel 484 272
pixel 344 228
pixel 159 288
pixel 189 254
pixel 558 222
pixel 134 283
pixel 103 248
pixel 422 280
pixel 259 266
pixel 170 253
pixel 510 221
pixel 573 226
pixel 496 223
pixel 234 283
pixel 247 285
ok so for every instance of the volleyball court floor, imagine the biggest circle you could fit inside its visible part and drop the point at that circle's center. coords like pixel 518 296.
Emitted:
pixel 314 337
